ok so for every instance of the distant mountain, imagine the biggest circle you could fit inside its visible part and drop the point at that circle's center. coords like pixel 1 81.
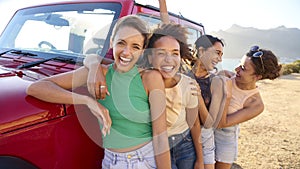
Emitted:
pixel 284 42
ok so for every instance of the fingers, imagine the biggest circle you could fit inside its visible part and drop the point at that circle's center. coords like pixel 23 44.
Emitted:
pixel 107 124
pixel 196 93
pixel 105 120
pixel 96 83
pixel 103 91
pixel 100 85
pixel 195 88
pixel 105 130
pixel 101 113
pixel 97 90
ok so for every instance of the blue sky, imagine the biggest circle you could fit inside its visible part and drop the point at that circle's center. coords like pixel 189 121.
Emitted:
pixel 213 14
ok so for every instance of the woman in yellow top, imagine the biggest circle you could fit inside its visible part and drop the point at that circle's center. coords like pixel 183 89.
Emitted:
pixel 167 46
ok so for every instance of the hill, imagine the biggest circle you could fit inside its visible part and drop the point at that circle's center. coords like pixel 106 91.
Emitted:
pixel 284 42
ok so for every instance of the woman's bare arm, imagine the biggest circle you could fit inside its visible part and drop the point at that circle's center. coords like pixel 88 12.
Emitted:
pixel 252 108
pixel 210 118
pixel 154 86
pixel 164 16
pixel 56 89
pixel 194 124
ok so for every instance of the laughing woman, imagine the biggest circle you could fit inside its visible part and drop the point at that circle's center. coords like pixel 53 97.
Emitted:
pixel 133 115
pixel 167 46
pixel 209 51
pixel 245 103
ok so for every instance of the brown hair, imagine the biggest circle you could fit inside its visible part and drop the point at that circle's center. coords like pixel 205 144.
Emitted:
pixel 176 31
pixel 133 22
pixel 267 66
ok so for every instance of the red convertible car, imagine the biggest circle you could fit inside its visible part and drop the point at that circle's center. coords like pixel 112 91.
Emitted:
pixel 45 40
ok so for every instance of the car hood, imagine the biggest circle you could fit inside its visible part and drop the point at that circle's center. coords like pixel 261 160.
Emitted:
pixel 18 110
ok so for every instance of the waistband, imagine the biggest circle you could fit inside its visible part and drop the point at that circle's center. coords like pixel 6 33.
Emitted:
pixel 141 153
pixel 179 136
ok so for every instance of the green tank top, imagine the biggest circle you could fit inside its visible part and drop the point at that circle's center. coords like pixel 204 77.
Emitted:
pixel 129 109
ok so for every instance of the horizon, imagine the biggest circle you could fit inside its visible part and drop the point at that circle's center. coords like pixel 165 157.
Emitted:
pixel 279 26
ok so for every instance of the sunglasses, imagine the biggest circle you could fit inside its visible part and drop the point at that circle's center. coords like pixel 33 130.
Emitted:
pixel 258 54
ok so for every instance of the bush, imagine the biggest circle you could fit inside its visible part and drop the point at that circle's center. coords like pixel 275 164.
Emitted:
pixel 289 68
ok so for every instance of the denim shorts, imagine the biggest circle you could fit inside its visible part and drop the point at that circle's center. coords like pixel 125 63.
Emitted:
pixel 182 151
pixel 208 145
pixel 141 158
pixel 226 141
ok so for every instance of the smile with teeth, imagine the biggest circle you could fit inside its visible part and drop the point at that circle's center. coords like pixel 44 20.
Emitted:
pixel 125 61
pixel 167 68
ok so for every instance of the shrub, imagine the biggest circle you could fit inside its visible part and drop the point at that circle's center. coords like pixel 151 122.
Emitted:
pixel 289 68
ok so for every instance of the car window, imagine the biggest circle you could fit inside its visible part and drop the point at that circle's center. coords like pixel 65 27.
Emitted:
pixel 151 20
pixel 70 28
pixel 193 35
pixel 154 21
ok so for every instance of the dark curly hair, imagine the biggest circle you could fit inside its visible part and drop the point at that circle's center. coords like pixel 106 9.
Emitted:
pixel 174 30
pixel 267 65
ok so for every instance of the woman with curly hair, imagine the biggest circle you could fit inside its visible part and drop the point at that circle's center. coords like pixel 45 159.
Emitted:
pixel 245 103
pixel 167 47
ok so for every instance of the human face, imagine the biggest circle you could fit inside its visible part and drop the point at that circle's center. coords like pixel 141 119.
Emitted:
pixel 166 56
pixel 211 56
pixel 245 73
pixel 127 48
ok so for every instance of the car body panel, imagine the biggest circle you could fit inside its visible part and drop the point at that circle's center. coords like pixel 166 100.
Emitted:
pixel 47 135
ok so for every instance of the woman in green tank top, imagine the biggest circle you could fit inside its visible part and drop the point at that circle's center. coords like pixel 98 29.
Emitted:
pixel 136 102
pixel 132 118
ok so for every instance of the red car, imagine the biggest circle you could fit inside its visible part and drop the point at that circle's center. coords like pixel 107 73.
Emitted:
pixel 45 40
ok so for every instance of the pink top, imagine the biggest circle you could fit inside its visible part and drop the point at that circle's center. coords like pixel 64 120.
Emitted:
pixel 239 97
